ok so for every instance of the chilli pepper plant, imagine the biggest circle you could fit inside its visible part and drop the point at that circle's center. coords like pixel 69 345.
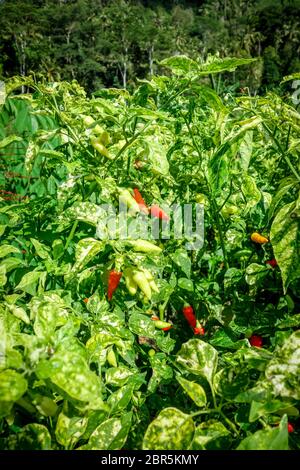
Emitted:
pixel 110 342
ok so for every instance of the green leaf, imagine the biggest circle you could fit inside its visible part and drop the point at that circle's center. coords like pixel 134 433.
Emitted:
pixel 69 429
pixel 118 376
pixel 218 65
pixel 255 273
pixel 261 392
pixel 182 260
pixel 5 408
pixel 245 150
pixel 171 430
pixel 12 385
pixel 19 312
pixel 180 64
pixel 12 263
pixel 145 113
pixel 34 437
pixel 286 185
pixel 186 284
pixel 119 400
pixel 162 372
pixel 285 239
pixel 110 435
pixel 70 372
pixel 7 249
pixel 57 248
pixel 86 250
pixel 198 358
pixel 229 382
pixel 259 409
pixel 293 76
pixel 164 342
pixel 30 156
pixel 210 435
pixel 194 391
pixel 49 312
pixel 141 325
pixel 289 322
pixel 250 191
pixel 45 405
pixel 8 140
pixel 157 158
pixel 268 439
pixel 222 339
pixel 87 212
pixel 29 282
pixel 3 277
pixel 41 250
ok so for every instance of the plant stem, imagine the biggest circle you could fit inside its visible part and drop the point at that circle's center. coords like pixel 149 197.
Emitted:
pixel 211 199
pixel 283 153
pixel 230 423
pixel 71 235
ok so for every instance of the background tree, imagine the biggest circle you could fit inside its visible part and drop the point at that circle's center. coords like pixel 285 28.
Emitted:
pixel 111 43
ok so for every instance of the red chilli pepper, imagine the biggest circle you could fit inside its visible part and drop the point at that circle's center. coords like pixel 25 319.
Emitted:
pixel 199 331
pixel 157 212
pixel 167 328
pixel 290 427
pixel 272 262
pixel 190 317
pixel 139 199
pixel 113 282
pixel 256 340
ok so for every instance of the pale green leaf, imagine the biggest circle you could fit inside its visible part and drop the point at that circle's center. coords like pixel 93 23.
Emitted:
pixel 283 371
pixel 12 385
pixel 194 391
pixel 171 430
pixel 285 239
pixel 110 435
pixel 29 282
pixel 198 358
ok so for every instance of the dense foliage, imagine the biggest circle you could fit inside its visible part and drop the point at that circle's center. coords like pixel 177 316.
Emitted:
pixel 78 370
pixel 111 43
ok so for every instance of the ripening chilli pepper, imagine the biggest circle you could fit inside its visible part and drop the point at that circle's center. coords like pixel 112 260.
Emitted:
pixel 162 325
pixel 272 262
pixel 167 328
pixel 113 282
pixel 188 312
pixel 128 200
pixel 111 358
pixel 199 330
pixel 139 199
pixel 142 282
pixel 144 246
pixel 258 238
pixel 157 212
pixel 130 283
pixel 98 145
pixel 190 316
